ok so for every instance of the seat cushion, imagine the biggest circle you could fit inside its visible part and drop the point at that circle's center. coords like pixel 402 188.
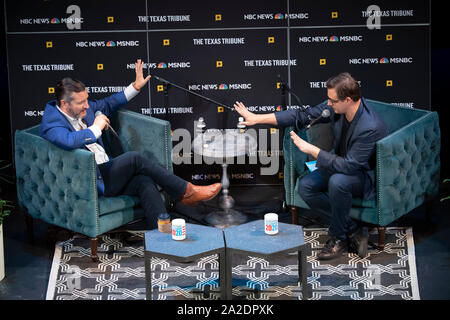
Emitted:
pixel 363 203
pixel 113 204
pixel 356 202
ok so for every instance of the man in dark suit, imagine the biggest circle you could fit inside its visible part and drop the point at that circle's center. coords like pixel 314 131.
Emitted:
pixel 71 122
pixel 346 173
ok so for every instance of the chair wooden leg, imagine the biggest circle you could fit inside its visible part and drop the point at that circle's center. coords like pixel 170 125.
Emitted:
pixel 294 213
pixel 94 248
pixel 381 237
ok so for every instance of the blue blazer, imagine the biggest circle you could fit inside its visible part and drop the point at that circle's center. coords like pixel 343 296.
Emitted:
pixel 58 130
pixel 364 131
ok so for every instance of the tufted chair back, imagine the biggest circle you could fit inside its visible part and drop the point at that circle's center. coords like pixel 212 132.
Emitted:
pixel 396 117
pixel 54 185
pixel 60 186
pixel 408 160
pixel 407 165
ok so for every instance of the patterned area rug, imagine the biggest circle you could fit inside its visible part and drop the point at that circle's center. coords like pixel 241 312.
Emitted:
pixel 120 274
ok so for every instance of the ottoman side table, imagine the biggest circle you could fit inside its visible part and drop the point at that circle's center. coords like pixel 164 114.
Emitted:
pixel 250 238
pixel 200 241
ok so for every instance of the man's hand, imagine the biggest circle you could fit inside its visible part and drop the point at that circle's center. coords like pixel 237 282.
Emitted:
pixel 249 117
pixel 252 119
pixel 101 121
pixel 304 146
pixel 140 81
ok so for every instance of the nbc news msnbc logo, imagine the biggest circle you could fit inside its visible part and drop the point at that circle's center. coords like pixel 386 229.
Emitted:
pixel 221 86
pixel 333 38
pixel 383 60
pixel 107 44
pixel 276 16
pixel 163 65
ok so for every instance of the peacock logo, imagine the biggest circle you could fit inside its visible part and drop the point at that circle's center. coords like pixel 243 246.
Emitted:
pixel 384 60
pixel 279 16
pixel 162 65
pixel 334 39
pixel 223 86
pixel 55 21
pixel 110 44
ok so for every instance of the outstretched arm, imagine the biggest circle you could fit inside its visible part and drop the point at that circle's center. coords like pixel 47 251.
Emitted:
pixel 114 102
pixel 252 118
pixel 304 146
pixel 140 80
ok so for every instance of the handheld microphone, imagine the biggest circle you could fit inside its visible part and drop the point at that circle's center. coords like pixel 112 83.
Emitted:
pixel 109 126
pixel 325 114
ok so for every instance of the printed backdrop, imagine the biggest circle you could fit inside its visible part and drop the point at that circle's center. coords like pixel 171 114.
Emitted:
pixel 227 51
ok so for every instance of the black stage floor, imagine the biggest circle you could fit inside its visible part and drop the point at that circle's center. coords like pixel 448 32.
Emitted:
pixel 28 263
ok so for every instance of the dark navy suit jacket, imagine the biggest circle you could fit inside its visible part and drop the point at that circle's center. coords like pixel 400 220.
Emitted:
pixel 364 131
pixel 57 129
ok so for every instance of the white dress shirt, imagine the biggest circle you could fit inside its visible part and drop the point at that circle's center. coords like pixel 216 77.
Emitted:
pixel 78 124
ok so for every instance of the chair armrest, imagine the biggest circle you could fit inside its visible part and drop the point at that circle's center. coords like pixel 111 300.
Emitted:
pixel 408 167
pixel 294 163
pixel 145 134
pixel 56 185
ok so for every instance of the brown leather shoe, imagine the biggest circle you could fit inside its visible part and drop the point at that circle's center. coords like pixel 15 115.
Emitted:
pixel 194 194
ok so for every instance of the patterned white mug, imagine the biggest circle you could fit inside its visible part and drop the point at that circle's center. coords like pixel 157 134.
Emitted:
pixel 178 229
pixel 271 223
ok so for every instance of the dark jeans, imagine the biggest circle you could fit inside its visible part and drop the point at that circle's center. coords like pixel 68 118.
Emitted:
pixel 337 204
pixel 135 175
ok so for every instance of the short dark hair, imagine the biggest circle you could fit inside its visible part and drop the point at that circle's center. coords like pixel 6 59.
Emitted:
pixel 66 87
pixel 345 86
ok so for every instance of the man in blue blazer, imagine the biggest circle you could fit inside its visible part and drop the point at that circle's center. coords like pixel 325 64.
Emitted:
pixel 72 121
pixel 346 173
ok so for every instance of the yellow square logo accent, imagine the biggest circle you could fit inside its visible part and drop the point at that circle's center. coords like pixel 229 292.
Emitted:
pixel 166 42
pixel 278 85
pixel 389 37
pixel 219 64
pixel 323 62
pixel 273 130
pixel 280 175
pixel 271 39
pixel 51 90
pixel 334 15
pixel 389 83
pixel 100 66
pixel 160 88
pixel 49 44
pixel 218 17
pixel 110 19
pixel 219 109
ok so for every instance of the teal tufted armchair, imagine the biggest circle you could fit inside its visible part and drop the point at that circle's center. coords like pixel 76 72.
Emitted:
pixel 60 187
pixel 407 166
